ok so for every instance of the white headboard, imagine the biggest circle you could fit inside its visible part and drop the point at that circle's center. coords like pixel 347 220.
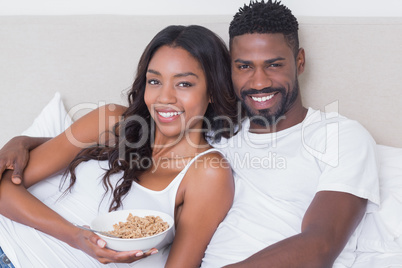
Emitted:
pixel 353 64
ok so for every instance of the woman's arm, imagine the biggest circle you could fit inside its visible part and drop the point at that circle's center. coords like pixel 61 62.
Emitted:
pixel 208 196
pixel 17 204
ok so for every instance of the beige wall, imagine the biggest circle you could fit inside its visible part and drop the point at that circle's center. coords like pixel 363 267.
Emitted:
pixel 353 64
pixel 383 8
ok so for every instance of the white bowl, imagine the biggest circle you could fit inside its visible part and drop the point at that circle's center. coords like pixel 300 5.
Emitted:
pixel 105 222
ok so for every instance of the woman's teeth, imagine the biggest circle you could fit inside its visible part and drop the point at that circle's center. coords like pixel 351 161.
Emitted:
pixel 263 98
pixel 170 114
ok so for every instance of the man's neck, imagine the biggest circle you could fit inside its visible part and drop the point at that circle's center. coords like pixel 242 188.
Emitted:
pixel 291 118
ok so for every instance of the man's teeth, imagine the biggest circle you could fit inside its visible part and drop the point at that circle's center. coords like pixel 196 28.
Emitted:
pixel 170 114
pixel 263 98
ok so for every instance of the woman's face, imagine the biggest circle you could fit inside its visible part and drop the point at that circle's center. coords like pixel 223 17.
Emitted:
pixel 175 91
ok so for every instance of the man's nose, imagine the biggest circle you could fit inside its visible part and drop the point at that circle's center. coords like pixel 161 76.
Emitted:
pixel 260 79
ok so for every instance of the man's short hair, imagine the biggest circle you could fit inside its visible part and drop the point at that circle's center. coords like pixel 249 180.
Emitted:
pixel 269 17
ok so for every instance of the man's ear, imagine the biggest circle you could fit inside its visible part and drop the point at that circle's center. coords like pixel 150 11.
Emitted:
pixel 300 61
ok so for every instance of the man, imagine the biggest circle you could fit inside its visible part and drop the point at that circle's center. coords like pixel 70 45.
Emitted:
pixel 304 179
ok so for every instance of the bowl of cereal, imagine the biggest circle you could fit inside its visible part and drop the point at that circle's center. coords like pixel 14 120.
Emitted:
pixel 134 229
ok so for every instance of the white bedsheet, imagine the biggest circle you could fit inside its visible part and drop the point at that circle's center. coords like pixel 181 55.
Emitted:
pixel 378 260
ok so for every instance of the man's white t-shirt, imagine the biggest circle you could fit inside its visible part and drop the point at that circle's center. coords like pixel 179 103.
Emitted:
pixel 277 176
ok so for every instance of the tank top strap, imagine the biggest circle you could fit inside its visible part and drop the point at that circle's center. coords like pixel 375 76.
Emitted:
pixel 182 173
pixel 198 156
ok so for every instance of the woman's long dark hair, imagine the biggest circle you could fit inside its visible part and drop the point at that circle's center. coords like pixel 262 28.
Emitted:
pixel 132 134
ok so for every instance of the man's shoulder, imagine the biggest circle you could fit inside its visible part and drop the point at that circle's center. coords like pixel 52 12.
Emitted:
pixel 317 126
pixel 333 128
pixel 317 119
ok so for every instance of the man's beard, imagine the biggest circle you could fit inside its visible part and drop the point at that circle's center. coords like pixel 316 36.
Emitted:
pixel 266 117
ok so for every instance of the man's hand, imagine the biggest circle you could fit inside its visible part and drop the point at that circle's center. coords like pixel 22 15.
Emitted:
pixel 15 155
pixel 329 222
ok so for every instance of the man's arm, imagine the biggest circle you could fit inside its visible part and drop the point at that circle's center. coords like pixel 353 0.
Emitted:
pixel 55 154
pixel 15 155
pixel 327 225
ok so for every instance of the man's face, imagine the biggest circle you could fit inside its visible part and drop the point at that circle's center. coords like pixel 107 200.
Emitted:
pixel 264 73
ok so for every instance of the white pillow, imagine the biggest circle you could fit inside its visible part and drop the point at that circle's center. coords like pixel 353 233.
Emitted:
pixel 52 120
pixel 382 229
pixel 391 188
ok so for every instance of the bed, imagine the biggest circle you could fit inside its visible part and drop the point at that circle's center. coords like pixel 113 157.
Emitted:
pixel 56 68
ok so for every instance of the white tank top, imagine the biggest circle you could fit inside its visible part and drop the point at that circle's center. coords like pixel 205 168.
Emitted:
pixel 141 197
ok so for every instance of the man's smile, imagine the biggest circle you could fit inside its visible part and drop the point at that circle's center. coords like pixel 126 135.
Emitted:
pixel 262 99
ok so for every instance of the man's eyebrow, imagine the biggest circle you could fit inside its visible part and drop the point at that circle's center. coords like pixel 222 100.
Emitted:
pixel 274 60
pixel 266 61
pixel 242 61
pixel 176 75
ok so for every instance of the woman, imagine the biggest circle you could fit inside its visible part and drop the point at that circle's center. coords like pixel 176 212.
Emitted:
pixel 155 157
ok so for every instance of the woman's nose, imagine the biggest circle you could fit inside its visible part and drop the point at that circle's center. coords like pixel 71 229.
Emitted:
pixel 167 95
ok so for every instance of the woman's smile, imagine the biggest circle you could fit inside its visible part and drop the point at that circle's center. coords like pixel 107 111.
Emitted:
pixel 168 115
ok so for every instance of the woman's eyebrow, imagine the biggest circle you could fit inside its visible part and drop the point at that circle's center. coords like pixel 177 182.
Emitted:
pixel 186 74
pixel 176 75
pixel 153 72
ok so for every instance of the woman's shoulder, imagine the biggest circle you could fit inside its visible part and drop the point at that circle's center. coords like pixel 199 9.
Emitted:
pixel 211 156
pixel 210 165
pixel 210 178
pixel 106 112
pixel 113 109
